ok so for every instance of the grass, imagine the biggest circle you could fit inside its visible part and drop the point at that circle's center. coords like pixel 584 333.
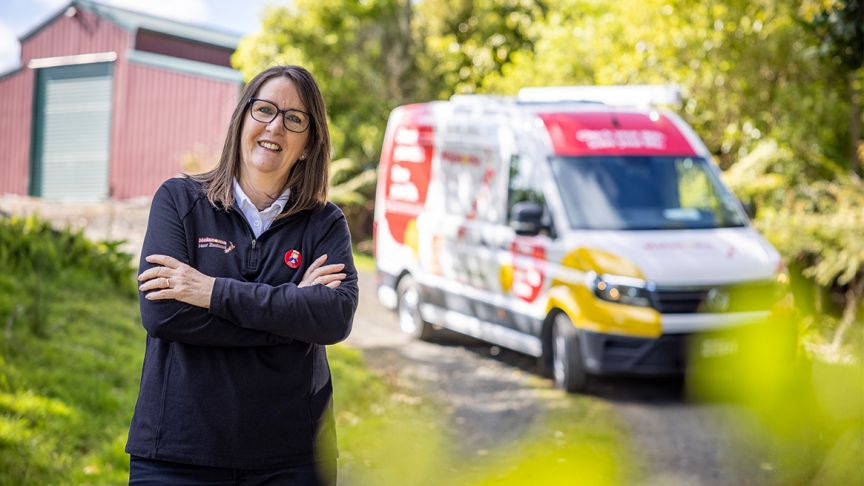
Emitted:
pixel 70 360
pixel 364 261
pixel 71 349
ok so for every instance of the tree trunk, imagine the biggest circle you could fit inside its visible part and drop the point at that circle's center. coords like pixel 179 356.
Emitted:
pixel 850 311
pixel 854 125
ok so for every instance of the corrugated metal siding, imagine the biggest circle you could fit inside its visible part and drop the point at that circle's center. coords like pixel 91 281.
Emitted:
pixel 16 99
pixel 71 132
pixel 168 119
pixel 85 33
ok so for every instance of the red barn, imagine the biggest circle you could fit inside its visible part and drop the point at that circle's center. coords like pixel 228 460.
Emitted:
pixel 110 102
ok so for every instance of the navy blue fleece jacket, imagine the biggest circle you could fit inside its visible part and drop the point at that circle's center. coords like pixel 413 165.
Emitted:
pixel 246 383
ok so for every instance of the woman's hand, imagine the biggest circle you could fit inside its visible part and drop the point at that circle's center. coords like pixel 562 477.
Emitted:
pixel 173 279
pixel 327 275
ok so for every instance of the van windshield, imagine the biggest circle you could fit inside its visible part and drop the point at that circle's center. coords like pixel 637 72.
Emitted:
pixel 644 193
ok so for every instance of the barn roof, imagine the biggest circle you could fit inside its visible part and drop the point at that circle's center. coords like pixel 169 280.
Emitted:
pixel 134 21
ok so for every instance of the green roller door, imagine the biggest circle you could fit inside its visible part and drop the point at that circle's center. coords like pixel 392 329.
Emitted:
pixel 72 128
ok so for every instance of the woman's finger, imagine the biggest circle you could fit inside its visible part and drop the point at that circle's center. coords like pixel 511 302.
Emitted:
pixel 326 279
pixel 335 284
pixel 154 272
pixel 328 269
pixel 317 263
pixel 160 295
pixel 158 283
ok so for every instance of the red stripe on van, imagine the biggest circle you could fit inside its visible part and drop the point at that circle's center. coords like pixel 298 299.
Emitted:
pixel 611 133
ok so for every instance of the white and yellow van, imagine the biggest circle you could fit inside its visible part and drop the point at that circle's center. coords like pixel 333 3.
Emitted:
pixel 561 224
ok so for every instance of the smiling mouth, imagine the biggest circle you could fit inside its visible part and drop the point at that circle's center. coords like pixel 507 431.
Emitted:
pixel 270 146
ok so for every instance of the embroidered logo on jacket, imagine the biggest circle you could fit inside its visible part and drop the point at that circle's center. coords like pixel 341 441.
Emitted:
pixel 293 258
pixel 207 242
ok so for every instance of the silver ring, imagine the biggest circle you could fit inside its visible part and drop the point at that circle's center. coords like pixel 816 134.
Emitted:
pixel 168 282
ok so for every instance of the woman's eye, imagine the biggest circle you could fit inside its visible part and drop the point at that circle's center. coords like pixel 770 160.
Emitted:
pixel 293 118
pixel 266 110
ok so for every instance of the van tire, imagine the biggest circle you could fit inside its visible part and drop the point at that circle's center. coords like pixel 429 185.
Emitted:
pixel 568 364
pixel 408 310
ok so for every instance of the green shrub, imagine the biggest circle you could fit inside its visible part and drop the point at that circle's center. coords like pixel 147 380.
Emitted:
pixel 29 245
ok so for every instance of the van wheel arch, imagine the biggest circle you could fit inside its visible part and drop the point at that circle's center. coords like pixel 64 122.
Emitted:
pixel 576 378
pixel 408 309
pixel 544 362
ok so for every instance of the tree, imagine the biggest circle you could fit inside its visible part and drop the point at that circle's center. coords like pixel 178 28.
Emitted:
pixel 746 67
pixel 839 27
pixel 818 224
pixel 464 41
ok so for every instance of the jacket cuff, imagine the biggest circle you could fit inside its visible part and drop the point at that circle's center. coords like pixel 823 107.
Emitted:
pixel 217 301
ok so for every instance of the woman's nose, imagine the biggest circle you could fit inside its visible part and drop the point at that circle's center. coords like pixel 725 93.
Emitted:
pixel 276 124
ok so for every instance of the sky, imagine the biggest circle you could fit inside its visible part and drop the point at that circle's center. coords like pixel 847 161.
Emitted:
pixel 17 17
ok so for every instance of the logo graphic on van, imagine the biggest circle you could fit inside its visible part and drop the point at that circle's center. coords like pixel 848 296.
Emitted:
pixel 622 139
pixel 208 242
pixel 529 269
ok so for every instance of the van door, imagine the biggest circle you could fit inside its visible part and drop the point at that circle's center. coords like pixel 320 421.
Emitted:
pixel 525 280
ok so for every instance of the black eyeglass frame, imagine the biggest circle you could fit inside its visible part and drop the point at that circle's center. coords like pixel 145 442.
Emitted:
pixel 278 112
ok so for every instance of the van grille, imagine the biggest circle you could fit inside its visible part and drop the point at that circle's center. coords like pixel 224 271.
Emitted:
pixel 744 297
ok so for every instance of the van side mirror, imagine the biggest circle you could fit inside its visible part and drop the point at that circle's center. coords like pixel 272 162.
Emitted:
pixel 526 218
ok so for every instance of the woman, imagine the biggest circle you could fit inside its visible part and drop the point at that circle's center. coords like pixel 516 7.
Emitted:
pixel 238 303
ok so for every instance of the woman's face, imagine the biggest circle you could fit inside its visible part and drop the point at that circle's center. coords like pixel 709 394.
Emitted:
pixel 269 148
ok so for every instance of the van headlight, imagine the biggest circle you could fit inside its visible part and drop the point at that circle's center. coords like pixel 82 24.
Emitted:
pixel 621 290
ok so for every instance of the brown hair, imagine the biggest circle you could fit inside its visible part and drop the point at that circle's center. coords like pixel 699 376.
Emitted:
pixel 308 177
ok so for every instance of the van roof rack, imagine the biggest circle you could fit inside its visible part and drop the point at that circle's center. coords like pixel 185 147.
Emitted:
pixel 636 95
pixel 478 98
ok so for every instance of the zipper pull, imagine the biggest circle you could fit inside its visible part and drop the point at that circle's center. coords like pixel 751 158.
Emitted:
pixel 254 241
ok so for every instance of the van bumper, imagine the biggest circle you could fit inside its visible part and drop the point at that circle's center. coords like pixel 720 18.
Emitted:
pixel 670 353
pixel 608 354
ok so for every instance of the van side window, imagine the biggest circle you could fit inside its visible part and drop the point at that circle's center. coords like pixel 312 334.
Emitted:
pixel 525 185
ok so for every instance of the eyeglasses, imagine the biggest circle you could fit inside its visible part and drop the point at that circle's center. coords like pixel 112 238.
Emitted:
pixel 294 120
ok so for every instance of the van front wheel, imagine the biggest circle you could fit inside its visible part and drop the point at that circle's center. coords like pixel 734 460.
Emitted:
pixel 568 366
pixel 408 309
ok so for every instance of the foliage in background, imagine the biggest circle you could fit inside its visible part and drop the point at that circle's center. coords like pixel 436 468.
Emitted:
pixel 352 187
pixel 30 245
pixel 465 41
pixel 748 69
pixel 818 225
pixel 839 26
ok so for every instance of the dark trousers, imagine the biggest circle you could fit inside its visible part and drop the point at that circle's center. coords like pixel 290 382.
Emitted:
pixel 153 472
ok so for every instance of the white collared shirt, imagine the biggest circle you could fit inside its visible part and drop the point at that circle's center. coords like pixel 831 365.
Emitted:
pixel 259 221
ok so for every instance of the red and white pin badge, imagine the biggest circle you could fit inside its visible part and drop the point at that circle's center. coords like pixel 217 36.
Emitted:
pixel 293 258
